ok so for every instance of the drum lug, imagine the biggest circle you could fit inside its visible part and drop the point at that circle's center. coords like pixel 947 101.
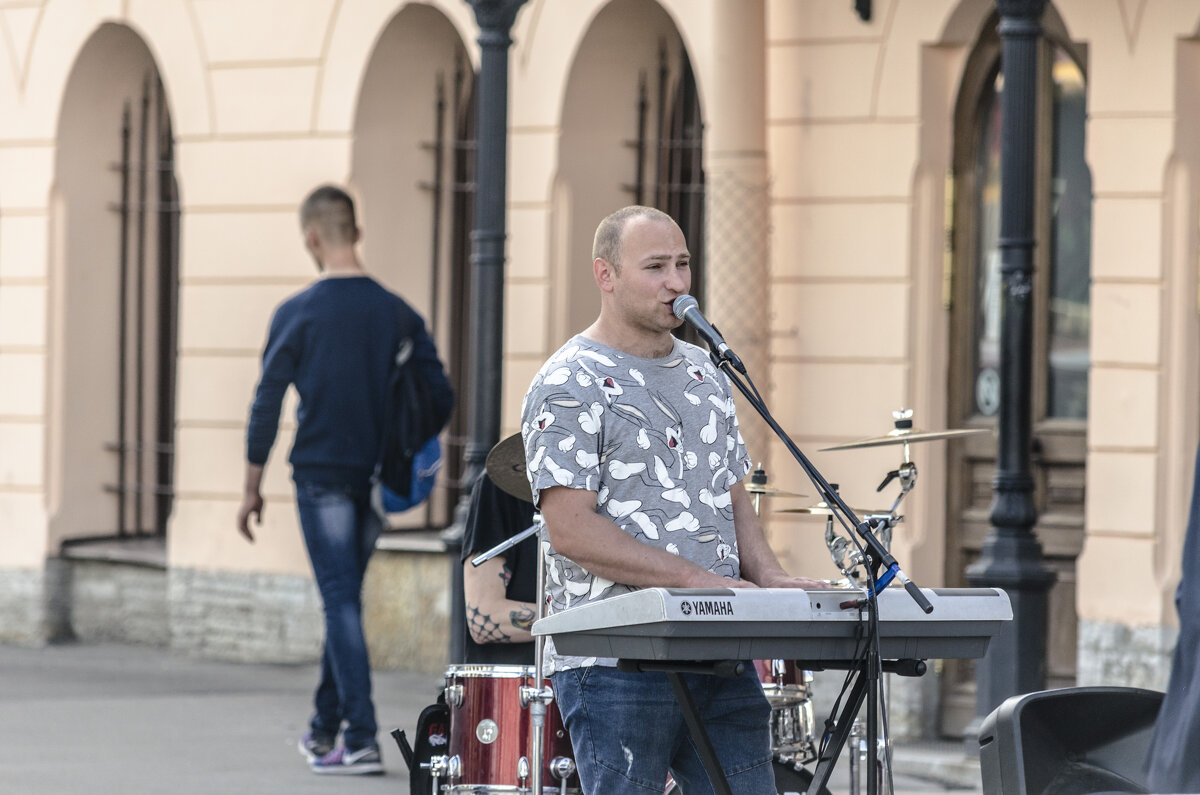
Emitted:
pixel 454 767
pixel 562 768
pixel 529 694
pixel 523 768
pixel 440 766
pixel 454 695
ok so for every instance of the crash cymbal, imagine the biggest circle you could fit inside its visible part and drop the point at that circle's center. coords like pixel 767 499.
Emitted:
pixel 506 467
pixel 905 436
pixel 770 491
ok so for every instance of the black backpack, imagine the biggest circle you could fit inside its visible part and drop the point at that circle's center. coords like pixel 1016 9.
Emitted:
pixel 419 402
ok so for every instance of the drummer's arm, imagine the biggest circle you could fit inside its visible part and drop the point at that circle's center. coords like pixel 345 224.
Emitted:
pixel 491 616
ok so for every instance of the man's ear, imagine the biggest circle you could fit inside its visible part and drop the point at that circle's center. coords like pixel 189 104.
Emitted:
pixel 311 238
pixel 604 272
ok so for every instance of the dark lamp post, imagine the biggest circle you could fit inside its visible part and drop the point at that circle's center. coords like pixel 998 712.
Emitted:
pixel 495 19
pixel 1011 557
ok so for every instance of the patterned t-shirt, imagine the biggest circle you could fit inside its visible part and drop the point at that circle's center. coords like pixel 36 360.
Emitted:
pixel 656 439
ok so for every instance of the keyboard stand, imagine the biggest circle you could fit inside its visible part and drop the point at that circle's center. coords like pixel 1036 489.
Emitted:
pixel 691 716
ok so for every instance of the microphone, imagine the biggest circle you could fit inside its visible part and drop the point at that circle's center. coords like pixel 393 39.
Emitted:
pixel 687 309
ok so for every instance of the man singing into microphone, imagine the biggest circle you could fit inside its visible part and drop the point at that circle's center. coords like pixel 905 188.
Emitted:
pixel 636 463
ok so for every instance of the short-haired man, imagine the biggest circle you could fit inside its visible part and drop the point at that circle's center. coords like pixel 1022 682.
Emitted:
pixel 335 342
pixel 635 459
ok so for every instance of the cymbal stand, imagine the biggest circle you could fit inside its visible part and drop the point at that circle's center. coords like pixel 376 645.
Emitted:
pixel 882 567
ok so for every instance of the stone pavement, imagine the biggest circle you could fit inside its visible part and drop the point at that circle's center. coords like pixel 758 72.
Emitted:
pixel 101 719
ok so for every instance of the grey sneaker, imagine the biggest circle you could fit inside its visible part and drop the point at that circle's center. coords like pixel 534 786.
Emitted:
pixel 314 748
pixel 344 762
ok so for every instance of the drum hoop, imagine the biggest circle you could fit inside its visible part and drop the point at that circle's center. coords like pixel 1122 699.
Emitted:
pixel 483 671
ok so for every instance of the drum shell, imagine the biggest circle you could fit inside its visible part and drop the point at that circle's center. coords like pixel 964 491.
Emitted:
pixel 491 731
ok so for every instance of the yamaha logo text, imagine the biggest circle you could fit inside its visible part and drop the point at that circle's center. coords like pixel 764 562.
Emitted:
pixel 708 607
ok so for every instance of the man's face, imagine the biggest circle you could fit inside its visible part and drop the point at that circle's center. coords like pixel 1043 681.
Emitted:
pixel 655 269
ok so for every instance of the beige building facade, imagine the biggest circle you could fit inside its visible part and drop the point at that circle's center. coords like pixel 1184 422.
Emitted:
pixel 836 177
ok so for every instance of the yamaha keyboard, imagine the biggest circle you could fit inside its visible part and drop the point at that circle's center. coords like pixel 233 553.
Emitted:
pixel 786 623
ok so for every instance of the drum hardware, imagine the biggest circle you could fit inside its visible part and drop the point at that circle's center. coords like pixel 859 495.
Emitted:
pixel 858 758
pixel 849 558
pixel 562 768
pixel 440 767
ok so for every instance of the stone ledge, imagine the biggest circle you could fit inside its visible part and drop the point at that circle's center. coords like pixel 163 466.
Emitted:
pixel 411 541
pixel 149 551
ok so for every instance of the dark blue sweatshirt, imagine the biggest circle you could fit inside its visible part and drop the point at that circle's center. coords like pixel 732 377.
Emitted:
pixel 335 341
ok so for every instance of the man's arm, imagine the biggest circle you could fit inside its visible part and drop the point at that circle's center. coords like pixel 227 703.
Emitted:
pixel 252 501
pixel 595 543
pixel 491 616
pixel 759 564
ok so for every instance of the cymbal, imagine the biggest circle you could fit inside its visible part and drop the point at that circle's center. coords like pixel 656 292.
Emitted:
pixel 506 467
pixel 906 435
pixel 770 491
pixel 822 509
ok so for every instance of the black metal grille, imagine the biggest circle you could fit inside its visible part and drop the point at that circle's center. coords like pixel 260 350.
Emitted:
pixel 453 149
pixel 145 448
pixel 674 157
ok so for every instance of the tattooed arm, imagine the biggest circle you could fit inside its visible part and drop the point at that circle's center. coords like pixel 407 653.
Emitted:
pixel 491 616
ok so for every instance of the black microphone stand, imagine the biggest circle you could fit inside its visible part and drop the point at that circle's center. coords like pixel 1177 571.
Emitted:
pixel 881 567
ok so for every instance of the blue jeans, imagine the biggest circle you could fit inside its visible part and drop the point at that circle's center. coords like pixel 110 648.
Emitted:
pixel 627 731
pixel 340 530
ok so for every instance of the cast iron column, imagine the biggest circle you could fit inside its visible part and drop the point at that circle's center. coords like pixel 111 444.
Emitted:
pixel 495 19
pixel 1011 554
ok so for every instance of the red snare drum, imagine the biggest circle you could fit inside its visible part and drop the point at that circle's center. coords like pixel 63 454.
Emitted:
pixel 491 747
pixel 788 689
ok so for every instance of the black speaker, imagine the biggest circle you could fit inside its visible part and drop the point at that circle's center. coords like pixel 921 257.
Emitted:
pixel 1068 742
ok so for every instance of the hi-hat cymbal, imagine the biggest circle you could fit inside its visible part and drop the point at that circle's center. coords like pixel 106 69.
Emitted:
pixel 506 467
pixel 770 491
pixel 822 509
pixel 906 435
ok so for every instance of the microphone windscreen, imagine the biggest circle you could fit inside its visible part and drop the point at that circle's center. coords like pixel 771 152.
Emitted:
pixel 682 304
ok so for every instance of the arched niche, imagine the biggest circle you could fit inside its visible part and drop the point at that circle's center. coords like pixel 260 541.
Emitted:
pixel 626 47
pixel 114 276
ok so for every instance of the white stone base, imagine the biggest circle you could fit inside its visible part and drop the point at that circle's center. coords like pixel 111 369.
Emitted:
pixel 23 606
pixel 1114 654
pixel 244 617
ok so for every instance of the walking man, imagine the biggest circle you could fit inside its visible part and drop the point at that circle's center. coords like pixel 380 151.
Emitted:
pixel 335 342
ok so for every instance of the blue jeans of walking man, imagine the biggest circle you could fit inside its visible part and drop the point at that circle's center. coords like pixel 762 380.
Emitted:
pixel 340 531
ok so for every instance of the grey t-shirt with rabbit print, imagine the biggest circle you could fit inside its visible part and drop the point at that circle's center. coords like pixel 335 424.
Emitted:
pixel 656 439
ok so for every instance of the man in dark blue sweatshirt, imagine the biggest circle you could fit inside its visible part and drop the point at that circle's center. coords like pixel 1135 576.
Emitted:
pixel 334 341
